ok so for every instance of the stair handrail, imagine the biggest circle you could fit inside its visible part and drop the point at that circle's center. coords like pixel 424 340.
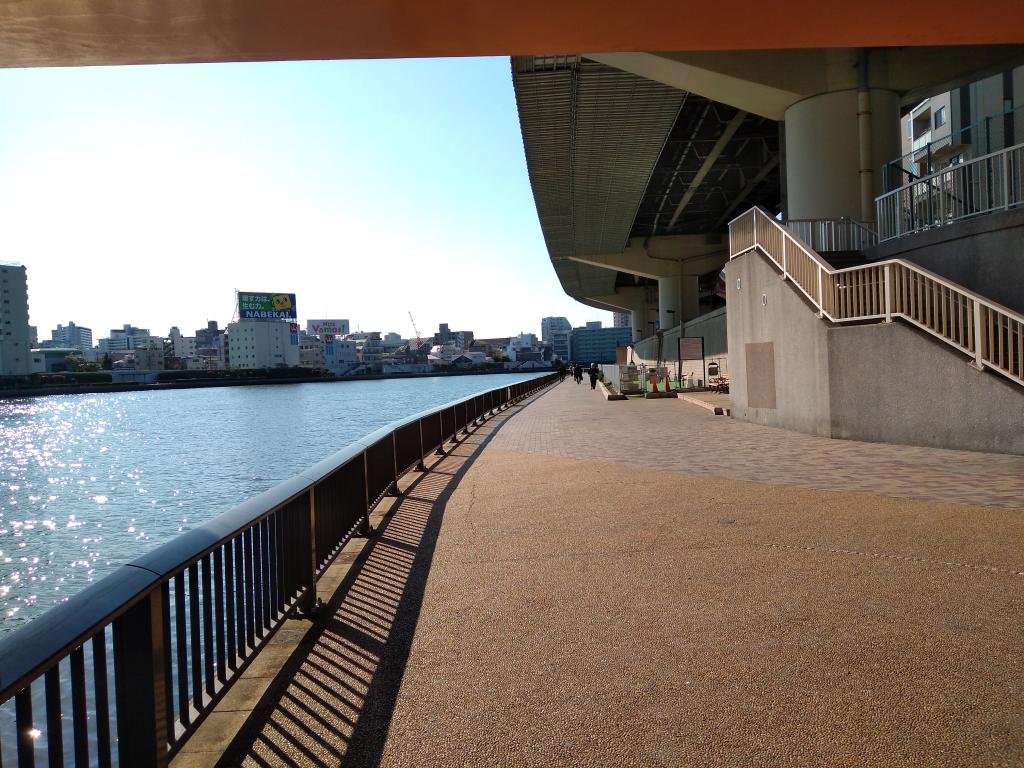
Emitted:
pixel 894 288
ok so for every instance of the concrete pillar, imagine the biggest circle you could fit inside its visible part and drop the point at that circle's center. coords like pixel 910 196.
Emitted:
pixel 823 143
pixel 669 304
pixel 690 295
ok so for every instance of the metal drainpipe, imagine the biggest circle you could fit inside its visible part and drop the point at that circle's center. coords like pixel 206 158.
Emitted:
pixel 867 181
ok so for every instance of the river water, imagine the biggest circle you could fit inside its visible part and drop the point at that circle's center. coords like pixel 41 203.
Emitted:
pixel 89 482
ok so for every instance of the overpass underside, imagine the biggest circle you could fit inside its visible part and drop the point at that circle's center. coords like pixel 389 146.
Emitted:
pixel 639 160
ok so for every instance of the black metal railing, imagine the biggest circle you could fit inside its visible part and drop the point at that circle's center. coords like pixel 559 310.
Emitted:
pixel 125 670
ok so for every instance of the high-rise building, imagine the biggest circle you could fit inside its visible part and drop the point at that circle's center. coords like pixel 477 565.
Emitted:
pixel 622 320
pixel 14 336
pixel 551 325
pixel 71 336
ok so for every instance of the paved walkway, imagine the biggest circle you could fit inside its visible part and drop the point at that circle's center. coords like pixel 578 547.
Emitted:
pixel 593 583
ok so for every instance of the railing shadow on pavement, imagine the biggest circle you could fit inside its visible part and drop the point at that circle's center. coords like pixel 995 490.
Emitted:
pixel 334 699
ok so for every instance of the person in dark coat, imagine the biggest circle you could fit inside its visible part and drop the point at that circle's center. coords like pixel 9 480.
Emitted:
pixel 593 375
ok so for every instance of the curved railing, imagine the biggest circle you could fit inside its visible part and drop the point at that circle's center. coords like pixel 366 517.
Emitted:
pixel 882 290
pixel 125 670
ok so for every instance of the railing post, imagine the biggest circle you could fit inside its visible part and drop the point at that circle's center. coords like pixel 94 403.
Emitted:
pixel 887 284
pixel 1006 180
pixel 755 226
pixel 366 530
pixel 785 268
pixel 308 601
pixel 978 360
pixel 821 294
pixel 420 466
pixel 139 682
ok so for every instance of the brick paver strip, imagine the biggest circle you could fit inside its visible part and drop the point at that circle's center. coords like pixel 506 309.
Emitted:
pixel 638 584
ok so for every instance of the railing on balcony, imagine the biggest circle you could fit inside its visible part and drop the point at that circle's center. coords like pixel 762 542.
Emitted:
pixel 987 332
pixel 124 671
pixel 989 183
pixel 827 235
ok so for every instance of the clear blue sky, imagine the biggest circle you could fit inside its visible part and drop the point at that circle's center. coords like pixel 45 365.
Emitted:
pixel 148 195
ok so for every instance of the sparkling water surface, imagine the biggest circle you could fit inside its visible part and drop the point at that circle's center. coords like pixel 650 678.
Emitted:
pixel 89 482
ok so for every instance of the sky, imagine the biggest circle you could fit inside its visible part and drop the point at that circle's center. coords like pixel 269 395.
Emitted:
pixel 370 189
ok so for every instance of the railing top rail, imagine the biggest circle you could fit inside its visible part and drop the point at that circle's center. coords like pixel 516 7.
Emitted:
pixel 49 637
pixel 947 170
pixel 829 270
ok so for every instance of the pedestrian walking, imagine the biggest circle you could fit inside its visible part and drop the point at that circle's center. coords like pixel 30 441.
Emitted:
pixel 593 376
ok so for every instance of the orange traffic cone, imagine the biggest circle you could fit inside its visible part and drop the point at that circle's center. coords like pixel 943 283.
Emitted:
pixel 668 387
pixel 654 382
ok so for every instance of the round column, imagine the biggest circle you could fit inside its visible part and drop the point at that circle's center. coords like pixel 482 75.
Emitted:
pixel 669 303
pixel 823 165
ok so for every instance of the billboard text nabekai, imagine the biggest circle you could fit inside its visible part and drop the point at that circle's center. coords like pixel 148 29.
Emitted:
pixel 266 306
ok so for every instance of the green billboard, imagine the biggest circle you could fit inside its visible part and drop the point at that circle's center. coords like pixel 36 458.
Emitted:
pixel 266 306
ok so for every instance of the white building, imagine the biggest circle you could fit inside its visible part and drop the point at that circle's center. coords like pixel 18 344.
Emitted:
pixel 263 344
pixel 184 346
pixel 14 341
pixel 340 355
pixel 622 320
pixel 126 339
pixel 71 335
pixel 551 325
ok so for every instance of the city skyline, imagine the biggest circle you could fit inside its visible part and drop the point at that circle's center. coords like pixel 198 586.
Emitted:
pixel 148 195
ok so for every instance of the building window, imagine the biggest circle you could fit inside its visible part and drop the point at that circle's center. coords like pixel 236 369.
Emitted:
pixel 940 117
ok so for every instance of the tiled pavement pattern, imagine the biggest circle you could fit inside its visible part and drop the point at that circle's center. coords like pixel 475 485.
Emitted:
pixel 676 436
pixel 524 606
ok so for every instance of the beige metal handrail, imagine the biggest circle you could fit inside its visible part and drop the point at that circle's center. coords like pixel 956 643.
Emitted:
pixel 990 333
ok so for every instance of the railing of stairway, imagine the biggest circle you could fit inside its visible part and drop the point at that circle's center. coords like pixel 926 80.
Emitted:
pixel 985 184
pixel 827 235
pixel 124 671
pixel 988 332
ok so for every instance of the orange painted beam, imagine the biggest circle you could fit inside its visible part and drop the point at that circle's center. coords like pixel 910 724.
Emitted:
pixel 82 32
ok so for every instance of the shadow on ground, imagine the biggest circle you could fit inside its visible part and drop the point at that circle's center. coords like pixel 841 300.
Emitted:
pixel 333 700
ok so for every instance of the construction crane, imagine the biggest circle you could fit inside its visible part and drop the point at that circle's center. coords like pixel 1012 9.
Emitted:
pixel 415 330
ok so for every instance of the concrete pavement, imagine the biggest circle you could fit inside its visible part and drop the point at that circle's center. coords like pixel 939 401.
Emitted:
pixel 642 583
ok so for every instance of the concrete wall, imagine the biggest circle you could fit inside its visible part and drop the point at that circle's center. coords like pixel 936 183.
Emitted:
pixel 984 254
pixel 882 382
pixel 798 351
pixel 891 383
pixel 712 326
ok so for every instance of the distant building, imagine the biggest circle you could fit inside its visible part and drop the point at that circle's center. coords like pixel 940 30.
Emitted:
pixel 560 344
pixel 262 344
pixel 127 339
pixel 51 359
pixel 340 355
pixel 33 337
pixel 183 347
pixel 209 354
pixel 369 347
pixel 71 335
pixel 459 339
pixel 523 340
pixel 622 320
pixel 311 351
pixel 392 341
pixel 552 325
pixel 597 345
pixel 14 343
